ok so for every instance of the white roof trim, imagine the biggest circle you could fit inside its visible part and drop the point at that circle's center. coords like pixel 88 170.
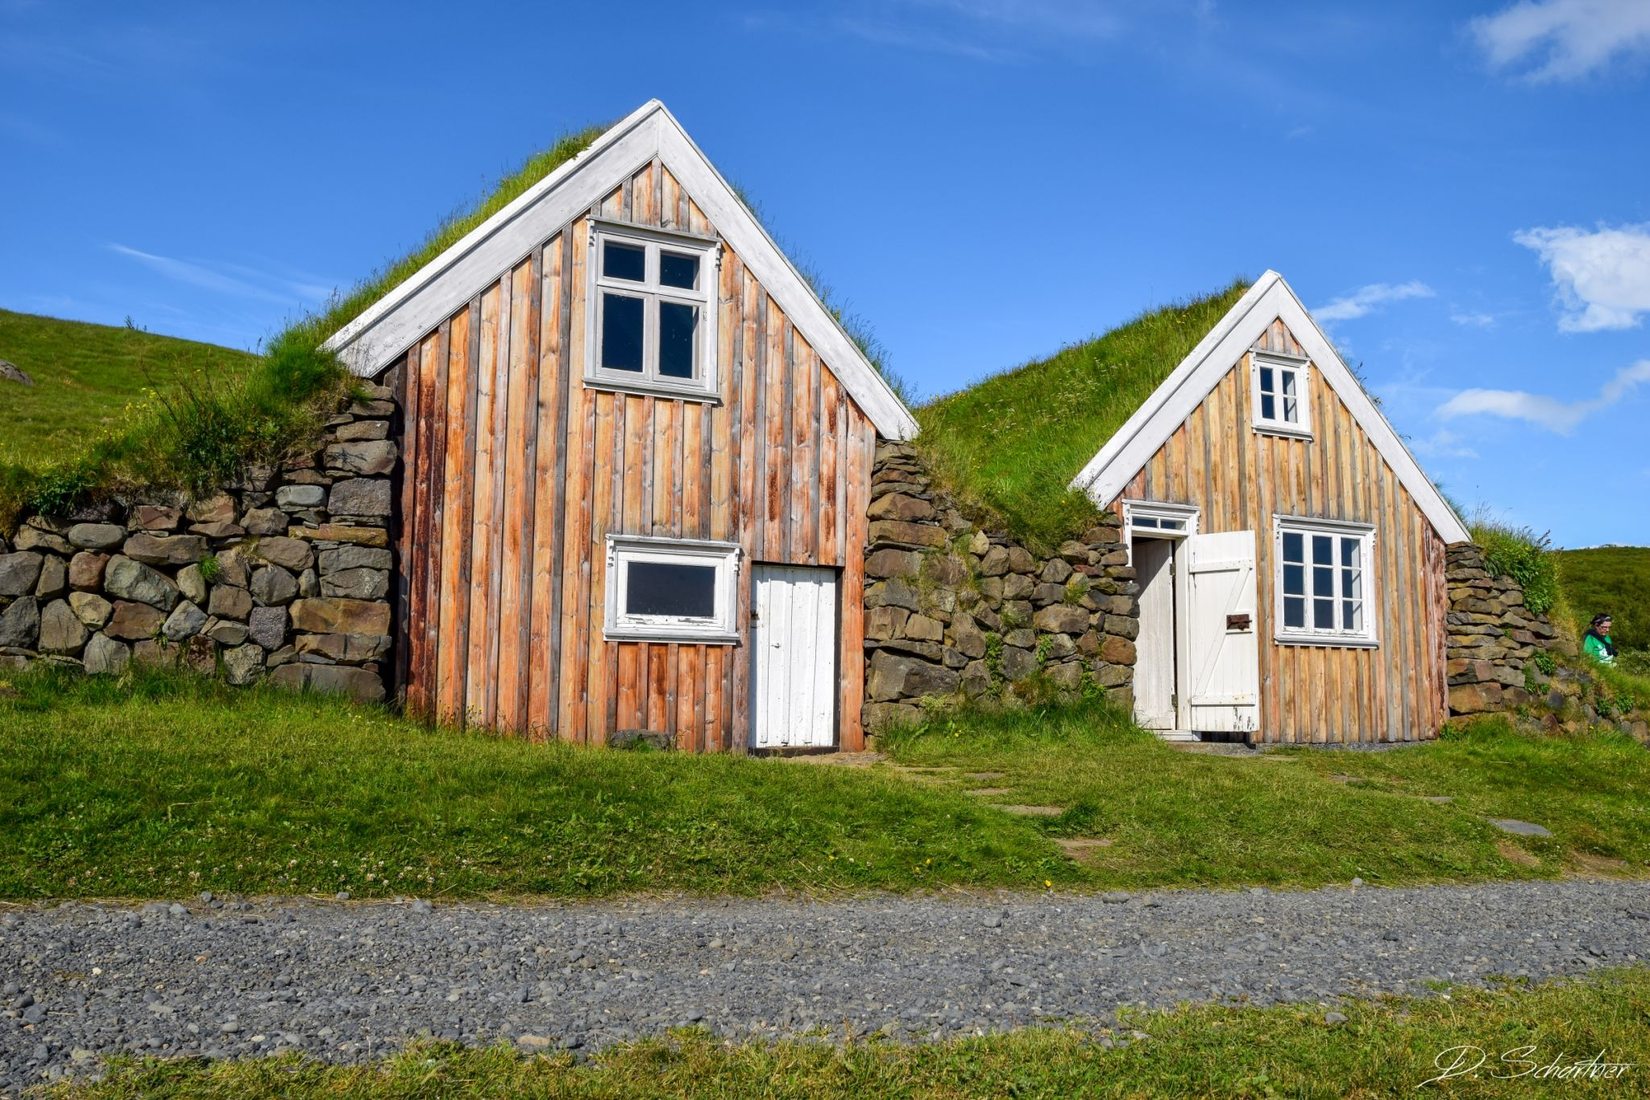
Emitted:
pixel 1123 455
pixel 417 305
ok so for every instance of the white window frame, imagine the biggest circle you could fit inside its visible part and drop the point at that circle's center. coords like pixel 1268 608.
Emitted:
pixel 1301 367
pixel 1366 636
pixel 1155 512
pixel 708 250
pixel 719 629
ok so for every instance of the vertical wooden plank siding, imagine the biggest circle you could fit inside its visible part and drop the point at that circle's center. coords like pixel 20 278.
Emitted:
pixel 1240 479
pixel 517 472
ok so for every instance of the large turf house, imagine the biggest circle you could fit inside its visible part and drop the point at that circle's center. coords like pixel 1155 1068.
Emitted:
pixel 1289 550
pixel 637 452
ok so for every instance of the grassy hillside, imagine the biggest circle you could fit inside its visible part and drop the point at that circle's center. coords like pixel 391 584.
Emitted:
pixel 86 375
pixel 1008 446
pixel 1615 579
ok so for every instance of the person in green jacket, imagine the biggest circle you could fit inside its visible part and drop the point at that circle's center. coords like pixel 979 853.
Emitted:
pixel 1597 643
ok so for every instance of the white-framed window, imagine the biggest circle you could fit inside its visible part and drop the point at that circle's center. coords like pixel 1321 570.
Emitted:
pixel 1282 402
pixel 672 590
pixel 652 311
pixel 1155 518
pixel 1323 581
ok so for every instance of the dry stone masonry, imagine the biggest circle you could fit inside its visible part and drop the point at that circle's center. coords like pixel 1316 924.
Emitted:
pixel 283 576
pixel 1492 635
pixel 956 612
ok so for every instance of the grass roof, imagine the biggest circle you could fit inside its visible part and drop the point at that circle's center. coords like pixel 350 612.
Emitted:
pixel 1009 446
pixel 196 434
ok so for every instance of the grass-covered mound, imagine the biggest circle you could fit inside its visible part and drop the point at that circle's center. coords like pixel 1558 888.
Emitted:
pixel 202 425
pixel 1613 579
pixel 88 377
pixel 1009 446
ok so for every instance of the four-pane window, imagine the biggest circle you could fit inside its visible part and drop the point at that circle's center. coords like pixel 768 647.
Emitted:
pixel 1281 401
pixel 653 311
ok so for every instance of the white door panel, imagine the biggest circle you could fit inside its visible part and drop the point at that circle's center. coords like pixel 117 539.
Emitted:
pixel 793 658
pixel 1223 673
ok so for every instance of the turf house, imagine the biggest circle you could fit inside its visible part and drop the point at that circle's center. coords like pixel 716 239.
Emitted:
pixel 637 453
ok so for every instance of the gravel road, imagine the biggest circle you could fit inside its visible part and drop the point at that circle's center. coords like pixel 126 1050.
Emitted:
pixel 352 981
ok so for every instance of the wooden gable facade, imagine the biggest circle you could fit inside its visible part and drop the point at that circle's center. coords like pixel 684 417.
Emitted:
pixel 1199 447
pixel 518 468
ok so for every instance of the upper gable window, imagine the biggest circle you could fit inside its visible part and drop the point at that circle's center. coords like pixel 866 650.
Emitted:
pixel 1282 403
pixel 652 311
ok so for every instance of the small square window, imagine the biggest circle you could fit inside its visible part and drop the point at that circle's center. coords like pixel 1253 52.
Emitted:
pixel 652 316
pixel 1280 394
pixel 671 589
pixel 1322 578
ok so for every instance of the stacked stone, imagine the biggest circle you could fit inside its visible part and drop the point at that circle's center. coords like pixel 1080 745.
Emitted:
pixel 1492 635
pixel 954 611
pixel 284 575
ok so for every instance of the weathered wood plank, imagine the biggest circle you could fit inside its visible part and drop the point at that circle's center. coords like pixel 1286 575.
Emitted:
pixel 483 520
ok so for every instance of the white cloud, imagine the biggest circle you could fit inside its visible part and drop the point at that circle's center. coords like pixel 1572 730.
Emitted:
pixel 1547 40
pixel 1443 443
pixel 1471 319
pixel 1603 277
pixel 1561 417
pixel 1365 299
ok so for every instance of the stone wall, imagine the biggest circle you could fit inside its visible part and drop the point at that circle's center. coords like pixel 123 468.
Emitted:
pixel 285 576
pixel 1491 635
pixel 956 612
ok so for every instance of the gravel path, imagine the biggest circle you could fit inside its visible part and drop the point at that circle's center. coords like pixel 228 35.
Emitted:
pixel 353 981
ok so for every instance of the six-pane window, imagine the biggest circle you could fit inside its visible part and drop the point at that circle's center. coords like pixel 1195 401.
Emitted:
pixel 1323 581
pixel 1280 393
pixel 652 311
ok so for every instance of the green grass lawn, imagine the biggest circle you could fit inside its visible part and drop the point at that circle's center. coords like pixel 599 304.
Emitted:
pixel 161 786
pixel 86 376
pixel 164 786
pixel 1009 446
pixel 1385 1047
pixel 1304 816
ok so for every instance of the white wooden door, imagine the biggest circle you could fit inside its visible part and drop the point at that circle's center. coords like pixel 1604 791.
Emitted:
pixel 793 657
pixel 1223 666
pixel 1154 669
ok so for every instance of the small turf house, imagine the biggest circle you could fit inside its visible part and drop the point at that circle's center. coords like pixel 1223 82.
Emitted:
pixel 637 451
pixel 1290 552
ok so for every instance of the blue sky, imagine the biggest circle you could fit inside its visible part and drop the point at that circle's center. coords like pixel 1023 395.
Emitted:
pixel 1461 191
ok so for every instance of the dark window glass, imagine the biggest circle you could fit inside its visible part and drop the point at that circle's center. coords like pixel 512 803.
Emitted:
pixel 1289 413
pixel 1323 550
pixel 1323 614
pixel 1268 407
pixel 677 323
pixel 1323 580
pixel 1349 584
pixel 1294 579
pixel 1292 546
pixel 1146 521
pixel 668 588
pixel 1266 384
pixel 1294 612
pixel 1349 552
pixel 678 270
pixel 621 332
pixel 1288 383
pixel 1352 613
pixel 624 261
